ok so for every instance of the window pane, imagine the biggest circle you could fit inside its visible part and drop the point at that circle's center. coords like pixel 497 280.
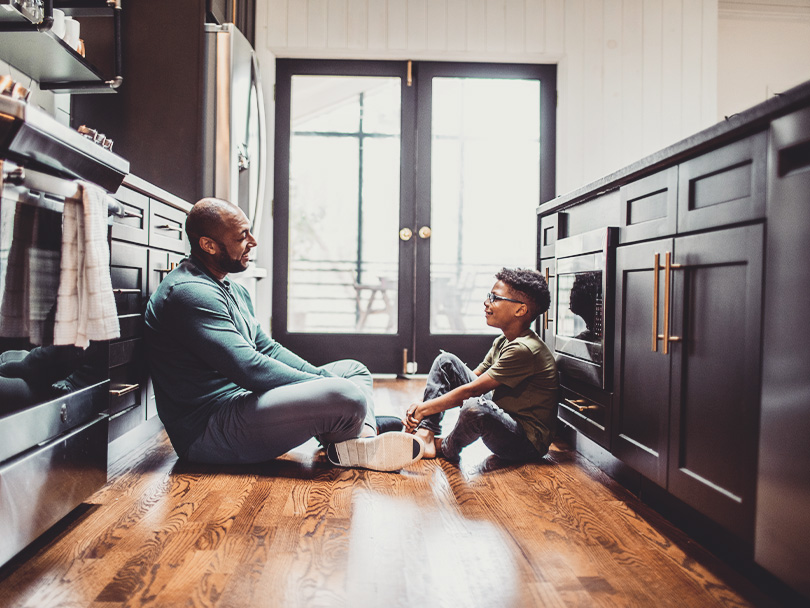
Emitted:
pixel 344 204
pixel 485 172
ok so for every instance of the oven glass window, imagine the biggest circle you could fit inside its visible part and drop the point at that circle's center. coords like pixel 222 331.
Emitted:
pixel 580 315
pixel 32 369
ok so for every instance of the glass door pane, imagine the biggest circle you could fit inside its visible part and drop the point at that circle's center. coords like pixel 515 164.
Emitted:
pixel 344 195
pixel 485 186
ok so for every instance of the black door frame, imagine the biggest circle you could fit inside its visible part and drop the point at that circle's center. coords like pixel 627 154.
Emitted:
pixel 428 345
pixel 380 352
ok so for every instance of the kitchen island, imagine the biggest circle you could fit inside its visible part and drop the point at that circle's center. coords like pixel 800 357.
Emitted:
pixel 704 408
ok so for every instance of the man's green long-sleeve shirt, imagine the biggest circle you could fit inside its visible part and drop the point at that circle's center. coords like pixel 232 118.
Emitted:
pixel 205 349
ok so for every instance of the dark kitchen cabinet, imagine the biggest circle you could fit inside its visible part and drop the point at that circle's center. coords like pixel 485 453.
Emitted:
pixel 641 375
pixel 146 244
pixel 717 313
pixel 686 413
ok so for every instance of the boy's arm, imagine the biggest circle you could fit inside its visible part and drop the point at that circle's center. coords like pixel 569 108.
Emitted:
pixel 483 384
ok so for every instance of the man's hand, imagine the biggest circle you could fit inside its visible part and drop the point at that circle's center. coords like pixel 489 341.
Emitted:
pixel 413 417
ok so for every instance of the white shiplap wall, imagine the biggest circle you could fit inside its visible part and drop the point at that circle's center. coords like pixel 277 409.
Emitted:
pixel 633 75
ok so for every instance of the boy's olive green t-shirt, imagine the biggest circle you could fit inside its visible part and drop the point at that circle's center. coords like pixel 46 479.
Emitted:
pixel 527 373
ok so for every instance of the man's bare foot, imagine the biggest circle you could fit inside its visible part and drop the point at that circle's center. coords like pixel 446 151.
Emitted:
pixel 427 438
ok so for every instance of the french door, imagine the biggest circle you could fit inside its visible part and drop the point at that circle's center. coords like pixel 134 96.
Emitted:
pixel 400 189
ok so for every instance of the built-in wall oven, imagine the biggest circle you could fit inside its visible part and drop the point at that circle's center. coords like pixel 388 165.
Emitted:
pixel 53 398
pixel 582 329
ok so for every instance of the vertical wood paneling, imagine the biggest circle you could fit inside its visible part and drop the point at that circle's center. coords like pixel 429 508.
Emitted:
pixel 317 23
pixel 535 26
pixel 652 78
pixel 554 27
pixel 456 25
pixel 496 26
pixel 337 24
pixel 276 23
pixel 671 67
pixel 417 25
pixel 297 24
pixel 377 25
pixel 397 24
pixel 708 59
pixel 476 25
pixel 573 97
pixel 613 128
pixel 357 26
pixel 593 88
pixel 632 83
pixel 633 75
pixel 515 26
pixel 691 76
pixel 437 25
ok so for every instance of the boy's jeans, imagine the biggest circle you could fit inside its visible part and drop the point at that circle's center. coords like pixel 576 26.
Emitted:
pixel 478 417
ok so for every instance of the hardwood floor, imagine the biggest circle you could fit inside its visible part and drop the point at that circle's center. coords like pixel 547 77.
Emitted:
pixel 299 532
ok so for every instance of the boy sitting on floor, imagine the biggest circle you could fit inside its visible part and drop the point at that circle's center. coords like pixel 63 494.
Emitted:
pixel 510 399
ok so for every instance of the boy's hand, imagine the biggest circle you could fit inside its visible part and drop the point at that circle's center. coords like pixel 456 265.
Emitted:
pixel 412 418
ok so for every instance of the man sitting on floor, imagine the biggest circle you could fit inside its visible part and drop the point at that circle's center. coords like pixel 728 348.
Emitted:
pixel 226 392
pixel 510 399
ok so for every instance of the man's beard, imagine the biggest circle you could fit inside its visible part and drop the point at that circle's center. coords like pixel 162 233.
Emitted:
pixel 230 265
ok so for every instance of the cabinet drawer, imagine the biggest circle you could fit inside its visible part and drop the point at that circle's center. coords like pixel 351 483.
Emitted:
pixel 126 420
pixel 723 187
pixel 43 485
pixel 128 276
pixel 133 227
pixel 590 417
pixel 166 227
pixel 160 264
pixel 649 207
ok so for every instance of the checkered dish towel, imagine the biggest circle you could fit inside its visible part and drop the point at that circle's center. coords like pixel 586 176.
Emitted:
pixel 85 306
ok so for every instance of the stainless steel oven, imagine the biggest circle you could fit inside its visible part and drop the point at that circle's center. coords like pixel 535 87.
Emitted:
pixel 583 330
pixel 584 273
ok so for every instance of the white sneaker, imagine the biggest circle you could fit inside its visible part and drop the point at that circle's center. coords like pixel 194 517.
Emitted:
pixel 386 452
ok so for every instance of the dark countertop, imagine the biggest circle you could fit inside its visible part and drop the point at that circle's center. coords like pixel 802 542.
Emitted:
pixel 144 187
pixel 734 127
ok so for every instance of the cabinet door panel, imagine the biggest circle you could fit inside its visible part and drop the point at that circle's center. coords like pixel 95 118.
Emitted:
pixel 641 375
pixel 649 207
pixel 725 186
pixel 166 227
pixel 717 307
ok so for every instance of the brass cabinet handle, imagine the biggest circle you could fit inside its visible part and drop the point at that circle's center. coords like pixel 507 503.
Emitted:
pixel 126 291
pixel 546 319
pixel 425 232
pixel 169 228
pixel 579 404
pixel 668 268
pixel 123 389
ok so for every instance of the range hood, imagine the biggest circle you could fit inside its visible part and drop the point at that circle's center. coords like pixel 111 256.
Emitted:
pixel 33 138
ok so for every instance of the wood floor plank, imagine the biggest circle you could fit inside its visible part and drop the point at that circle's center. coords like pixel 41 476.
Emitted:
pixel 299 532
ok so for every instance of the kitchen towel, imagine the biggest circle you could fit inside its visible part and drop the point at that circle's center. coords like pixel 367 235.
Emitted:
pixel 85 305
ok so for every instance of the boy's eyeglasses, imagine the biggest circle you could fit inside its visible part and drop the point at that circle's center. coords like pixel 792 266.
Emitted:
pixel 492 298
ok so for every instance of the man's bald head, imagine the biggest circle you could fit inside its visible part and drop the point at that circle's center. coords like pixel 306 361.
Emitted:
pixel 208 218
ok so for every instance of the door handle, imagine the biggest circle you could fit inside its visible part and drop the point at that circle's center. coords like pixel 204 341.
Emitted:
pixel 405 234
pixel 668 268
pixel 424 232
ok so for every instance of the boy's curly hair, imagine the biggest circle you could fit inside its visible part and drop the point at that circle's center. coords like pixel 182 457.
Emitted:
pixel 530 283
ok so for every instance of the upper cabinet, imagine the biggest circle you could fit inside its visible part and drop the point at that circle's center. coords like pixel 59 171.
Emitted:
pixel 37 39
